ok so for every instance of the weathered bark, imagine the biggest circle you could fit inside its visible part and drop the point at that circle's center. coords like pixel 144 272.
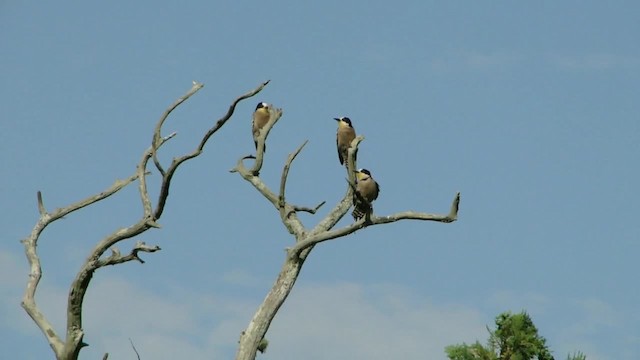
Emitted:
pixel 69 349
pixel 251 337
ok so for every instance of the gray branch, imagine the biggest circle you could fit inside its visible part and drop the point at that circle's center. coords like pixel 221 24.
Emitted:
pixel 35 273
pixel 341 209
pixel 252 337
pixel 274 115
pixel 255 332
pixel 117 258
pixel 288 211
pixel 252 175
pixel 155 142
pixel 134 349
pixel 283 184
pixel 375 220
pixel 166 178
pixel 308 209
pixel 285 174
pixel 70 348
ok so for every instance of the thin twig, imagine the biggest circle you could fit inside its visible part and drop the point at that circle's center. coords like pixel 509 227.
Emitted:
pixel 285 174
pixel 117 258
pixel 41 208
pixel 156 133
pixel 134 349
pixel 308 209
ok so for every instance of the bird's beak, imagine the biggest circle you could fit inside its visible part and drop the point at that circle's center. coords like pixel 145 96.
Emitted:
pixel 336 119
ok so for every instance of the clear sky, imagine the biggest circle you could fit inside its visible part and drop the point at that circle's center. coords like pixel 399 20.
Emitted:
pixel 529 109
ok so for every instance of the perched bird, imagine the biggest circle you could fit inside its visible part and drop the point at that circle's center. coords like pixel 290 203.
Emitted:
pixel 344 136
pixel 260 119
pixel 366 192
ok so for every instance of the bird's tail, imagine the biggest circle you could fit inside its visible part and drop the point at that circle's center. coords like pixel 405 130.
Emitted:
pixel 360 210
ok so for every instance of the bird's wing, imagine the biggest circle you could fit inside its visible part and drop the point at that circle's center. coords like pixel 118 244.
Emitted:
pixel 339 151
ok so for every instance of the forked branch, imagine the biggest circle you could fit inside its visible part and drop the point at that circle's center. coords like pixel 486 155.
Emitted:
pixel 155 142
pixel 166 178
pixel 375 220
pixel 252 175
pixel 69 348
pixel 35 268
pixel 285 174
pixel 255 332
pixel 117 258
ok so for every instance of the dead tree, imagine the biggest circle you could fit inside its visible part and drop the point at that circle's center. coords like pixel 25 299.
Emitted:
pixel 68 347
pixel 252 338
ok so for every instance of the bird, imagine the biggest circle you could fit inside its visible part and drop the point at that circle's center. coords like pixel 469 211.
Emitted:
pixel 260 119
pixel 346 133
pixel 366 191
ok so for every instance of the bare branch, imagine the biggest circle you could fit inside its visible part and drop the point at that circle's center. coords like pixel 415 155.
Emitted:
pixel 41 208
pixel 117 258
pixel 257 183
pixel 282 204
pixel 285 174
pixel 117 186
pixel 343 206
pixel 166 178
pixel 93 262
pixel 375 220
pixel 287 211
pixel 252 175
pixel 251 338
pixel 70 348
pixel 81 282
pixel 156 133
pixel 142 183
pixel 134 349
pixel 255 332
pixel 455 206
pixel 307 209
pixel 35 273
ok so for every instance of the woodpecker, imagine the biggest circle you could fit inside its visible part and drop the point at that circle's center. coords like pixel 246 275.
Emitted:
pixel 260 119
pixel 346 133
pixel 367 190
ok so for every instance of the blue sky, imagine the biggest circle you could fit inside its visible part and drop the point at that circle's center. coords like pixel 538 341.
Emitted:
pixel 530 110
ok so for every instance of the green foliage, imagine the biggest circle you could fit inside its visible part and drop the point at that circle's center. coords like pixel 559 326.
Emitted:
pixel 515 338
pixel 469 352
pixel 577 356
